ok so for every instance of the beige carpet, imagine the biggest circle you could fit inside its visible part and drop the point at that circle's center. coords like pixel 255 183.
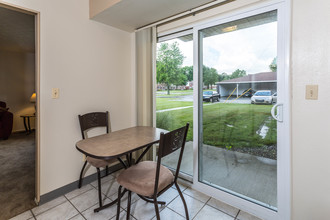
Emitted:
pixel 17 163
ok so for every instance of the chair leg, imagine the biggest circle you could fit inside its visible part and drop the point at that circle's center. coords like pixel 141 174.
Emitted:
pixel 99 185
pixel 106 170
pixel 156 208
pixel 128 205
pixel 118 203
pixel 81 174
pixel 183 201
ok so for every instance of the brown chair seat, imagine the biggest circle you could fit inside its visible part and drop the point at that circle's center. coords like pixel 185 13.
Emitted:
pixel 99 162
pixel 140 178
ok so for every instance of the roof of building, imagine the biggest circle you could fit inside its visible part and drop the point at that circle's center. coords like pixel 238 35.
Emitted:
pixel 258 77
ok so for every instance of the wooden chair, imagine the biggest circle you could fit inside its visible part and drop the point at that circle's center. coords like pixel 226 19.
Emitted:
pixel 89 121
pixel 150 179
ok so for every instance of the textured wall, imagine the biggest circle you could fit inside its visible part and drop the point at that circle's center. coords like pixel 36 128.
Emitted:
pixel 90 63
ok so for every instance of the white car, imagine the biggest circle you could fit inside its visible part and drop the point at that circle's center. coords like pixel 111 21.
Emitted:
pixel 263 97
pixel 274 96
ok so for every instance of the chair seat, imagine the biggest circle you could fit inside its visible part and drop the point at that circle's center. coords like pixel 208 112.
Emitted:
pixel 140 178
pixel 99 162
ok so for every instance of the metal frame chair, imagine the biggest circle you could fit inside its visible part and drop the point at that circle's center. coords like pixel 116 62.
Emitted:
pixel 89 121
pixel 164 178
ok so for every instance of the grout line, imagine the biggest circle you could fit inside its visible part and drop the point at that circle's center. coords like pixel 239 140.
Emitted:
pixel 199 211
pixel 237 214
pixel 75 207
pixel 196 198
pixel 32 214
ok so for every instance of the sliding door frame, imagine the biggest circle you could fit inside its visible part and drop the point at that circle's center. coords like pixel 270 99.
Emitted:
pixel 283 8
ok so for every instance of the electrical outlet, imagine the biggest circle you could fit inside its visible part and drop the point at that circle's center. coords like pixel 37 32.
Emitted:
pixel 55 93
pixel 312 92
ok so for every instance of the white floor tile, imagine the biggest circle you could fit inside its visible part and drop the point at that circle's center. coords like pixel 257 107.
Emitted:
pixel 109 188
pixel 122 216
pixel 168 196
pixel 197 195
pixel 23 216
pixel 63 211
pixel 86 200
pixel 193 205
pixel 232 211
pixel 104 214
pixel 142 210
pixel 78 191
pixel 77 217
pixel 123 201
pixel 51 204
pixel 246 216
pixel 209 212
pixel 169 214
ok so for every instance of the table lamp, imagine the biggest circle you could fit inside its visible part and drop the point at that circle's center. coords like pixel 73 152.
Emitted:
pixel 33 100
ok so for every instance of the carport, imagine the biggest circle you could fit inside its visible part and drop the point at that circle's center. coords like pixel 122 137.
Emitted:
pixel 258 81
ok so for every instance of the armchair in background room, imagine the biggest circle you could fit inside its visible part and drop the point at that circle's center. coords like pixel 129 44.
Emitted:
pixel 6 121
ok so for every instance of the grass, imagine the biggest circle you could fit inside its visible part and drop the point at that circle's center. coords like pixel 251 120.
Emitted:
pixel 225 125
pixel 167 103
pixel 173 93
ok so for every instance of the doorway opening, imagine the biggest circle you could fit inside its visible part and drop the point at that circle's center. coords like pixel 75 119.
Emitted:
pixel 19 89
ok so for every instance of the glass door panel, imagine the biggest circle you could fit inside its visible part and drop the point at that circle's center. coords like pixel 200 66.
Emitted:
pixel 174 95
pixel 238 135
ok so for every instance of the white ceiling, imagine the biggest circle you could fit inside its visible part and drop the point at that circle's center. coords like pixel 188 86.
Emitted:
pixel 130 15
pixel 16 31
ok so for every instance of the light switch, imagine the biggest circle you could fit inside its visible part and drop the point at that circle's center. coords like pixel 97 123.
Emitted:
pixel 312 92
pixel 55 93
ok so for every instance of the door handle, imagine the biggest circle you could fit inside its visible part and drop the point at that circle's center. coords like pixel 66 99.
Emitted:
pixel 278 116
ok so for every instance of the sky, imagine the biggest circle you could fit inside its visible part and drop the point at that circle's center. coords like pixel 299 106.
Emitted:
pixel 251 49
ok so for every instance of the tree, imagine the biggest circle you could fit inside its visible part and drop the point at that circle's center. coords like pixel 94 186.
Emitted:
pixel 273 65
pixel 238 73
pixel 223 76
pixel 168 62
pixel 188 71
pixel 210 76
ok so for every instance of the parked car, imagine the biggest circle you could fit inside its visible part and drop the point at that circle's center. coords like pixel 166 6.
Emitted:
pixel 262 97
pixel 274 96
pixel 248 93
pixel 211 96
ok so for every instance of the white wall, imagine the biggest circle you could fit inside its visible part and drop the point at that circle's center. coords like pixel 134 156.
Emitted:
pixel 90 63
pixel 17 80
pixel 310 64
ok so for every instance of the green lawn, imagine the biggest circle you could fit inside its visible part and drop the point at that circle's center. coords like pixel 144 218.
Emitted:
pixel 173 93
pixel 224 125
pixel 168 103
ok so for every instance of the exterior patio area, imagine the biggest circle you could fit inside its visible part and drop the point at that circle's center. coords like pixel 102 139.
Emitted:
pixel 249 176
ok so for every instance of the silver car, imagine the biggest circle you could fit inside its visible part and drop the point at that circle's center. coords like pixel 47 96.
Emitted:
pixel 262 97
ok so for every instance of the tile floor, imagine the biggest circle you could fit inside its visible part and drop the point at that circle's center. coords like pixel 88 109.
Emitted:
pixel 80 204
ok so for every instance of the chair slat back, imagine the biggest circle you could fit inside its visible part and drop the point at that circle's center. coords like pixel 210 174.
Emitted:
pixel 169 143
pixel 93 120
pixel 173 141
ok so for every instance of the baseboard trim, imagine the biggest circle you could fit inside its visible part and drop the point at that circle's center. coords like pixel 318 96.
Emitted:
pixel 74 185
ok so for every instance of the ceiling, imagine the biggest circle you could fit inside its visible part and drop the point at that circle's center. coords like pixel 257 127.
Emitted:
pixel 130 15
pixel 16 31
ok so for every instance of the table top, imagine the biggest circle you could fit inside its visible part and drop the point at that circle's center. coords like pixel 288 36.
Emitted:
pixel 118 143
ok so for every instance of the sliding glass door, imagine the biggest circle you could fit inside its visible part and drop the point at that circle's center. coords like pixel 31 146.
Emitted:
pixel 234 93
pixel 238 135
